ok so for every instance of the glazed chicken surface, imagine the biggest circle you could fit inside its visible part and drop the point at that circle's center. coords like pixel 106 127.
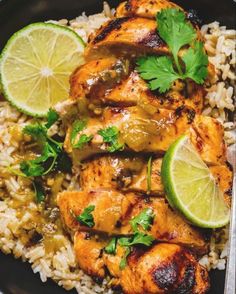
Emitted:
pixel 106 92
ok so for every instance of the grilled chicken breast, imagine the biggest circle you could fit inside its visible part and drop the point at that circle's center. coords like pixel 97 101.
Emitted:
pixel 107 82
pixel 126 36
pixel 114 210
pixel 164 268
pixel 142 132
pixel 129 173
pixel 143 8
pixel 94 78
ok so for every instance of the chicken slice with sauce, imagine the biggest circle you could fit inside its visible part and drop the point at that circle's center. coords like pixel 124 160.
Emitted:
pixel 143 8
pixel 126 36
pixel 113 211
pixel 130 173
pixel 163 268
pixel 94 78
pixel 142 132
pixel 106 82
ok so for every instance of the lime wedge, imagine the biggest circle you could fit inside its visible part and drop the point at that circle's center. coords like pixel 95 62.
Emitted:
pixel 191 188
pixel 36 64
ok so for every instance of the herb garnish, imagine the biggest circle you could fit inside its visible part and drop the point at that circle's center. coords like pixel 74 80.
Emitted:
pixel 144 219
pixel 52 117
pixel 86 217
pixel 177 32
pixel 123 261
pixel 78 126
pixel 39 191
pixel 51 148
pixel 127 242
pixel 137 238
pixel 111 246
pixel 110 136
pixel 83 139
pixel 149 174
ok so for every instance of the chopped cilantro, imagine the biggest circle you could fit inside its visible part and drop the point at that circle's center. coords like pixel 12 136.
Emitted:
pixel 52 117
pixel 111 247
pixel 37 131
pixel 128 242
pixel 110 136
pixel 83 139
pixel 77 127
pixel 137 239
pixel 123 261
pixel 177 32
pixel 39 191
pixel 86 217
pixel 51 149
pixel 144 219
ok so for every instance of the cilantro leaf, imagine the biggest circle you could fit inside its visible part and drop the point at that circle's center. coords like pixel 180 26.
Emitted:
pixel 44 163
pixel 86 217
pixel 77 127
pixel 111 247
pixel 159 71
pixel 137 238
pixel 84 139
pixel 52 117
pixel 196 62
pixel 144 219
pixel 39 191
pixel 123 261
pixel 31 169
pixel 36 131
pixel 110 136
pixel 175 30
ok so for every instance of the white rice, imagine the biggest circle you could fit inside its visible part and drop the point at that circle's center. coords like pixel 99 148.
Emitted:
pixel 59 264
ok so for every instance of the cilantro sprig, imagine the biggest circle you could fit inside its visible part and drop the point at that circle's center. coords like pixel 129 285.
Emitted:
pixel 86 217
pixel 77 127
pixel 51 149
pixel 177 32
pixel 110 136
pixel 144 219
pixel 111 246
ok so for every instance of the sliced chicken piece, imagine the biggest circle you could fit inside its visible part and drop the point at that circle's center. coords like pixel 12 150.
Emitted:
pixel 135 91
pixel 142 132
pixel 88 252
pixel 126 37
pixel 104 82
pixel 129 173
pixel 143 8
pixel 165 268
pixel 93 78
pixel 121 173
pixel 113 211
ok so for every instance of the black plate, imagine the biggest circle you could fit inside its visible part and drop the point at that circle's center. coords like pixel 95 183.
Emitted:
pixel 17 277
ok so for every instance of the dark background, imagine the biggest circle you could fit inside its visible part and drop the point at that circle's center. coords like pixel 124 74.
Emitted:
pixel 17 277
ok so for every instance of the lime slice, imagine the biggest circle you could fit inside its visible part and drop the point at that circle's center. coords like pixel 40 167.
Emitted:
pixel 191 188
pixel 36 64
